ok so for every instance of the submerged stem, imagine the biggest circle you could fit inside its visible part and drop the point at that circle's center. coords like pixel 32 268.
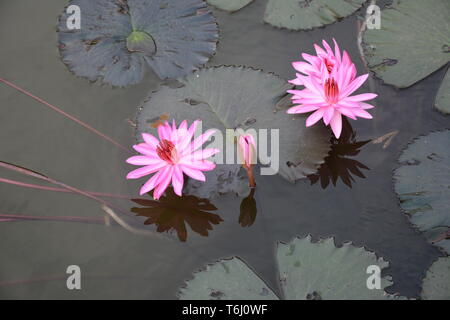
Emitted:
pixel 65 114
pixel 38 187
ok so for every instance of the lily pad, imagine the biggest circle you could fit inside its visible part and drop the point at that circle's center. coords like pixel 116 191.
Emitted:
pixel 118 38
pixel 307 270
pixel 443 96
pixel 229 5
pixel 239 97
pixel 308 14
pixel 436 285
pixel 413 42
pixel 423 183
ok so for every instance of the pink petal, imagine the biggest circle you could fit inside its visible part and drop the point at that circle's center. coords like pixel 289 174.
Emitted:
pixel 194 174
pixel 138 173
pixel 302 67
pixel 203 165
pixel 150 184
pixel 328 48
pixel 346 112
pixel 319 50
pixel 163 183
pixel 337 51
pixel 302 109
pixel 362 113
pixel 150 139
pixel 336 124
pixel 202 154
pixel 328 115
pixel 177 180
pixel 296 82
pixel 145 149
pixel 143 160
pixel 353 86
pixel 199 141
pixel 362 97
pixel 316 116
pixel 366 106
pixel 164 131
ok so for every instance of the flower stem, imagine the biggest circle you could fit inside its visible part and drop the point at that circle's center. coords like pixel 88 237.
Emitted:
pixel 17 217
pixel 251 176
pixel 35 186
pixel 37 175
pixel 65 114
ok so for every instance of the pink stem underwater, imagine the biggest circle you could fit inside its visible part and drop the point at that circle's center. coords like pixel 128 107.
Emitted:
pixel 17 217
pixel 63 185
pixel 81 123
pixel 35 186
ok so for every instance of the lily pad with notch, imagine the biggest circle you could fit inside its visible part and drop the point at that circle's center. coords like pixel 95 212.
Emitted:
pixel 307 271
pixel 422 184
pixel 308 14
pixel 119 38
pixel 413 42
pixel 226 98
pixel 229 5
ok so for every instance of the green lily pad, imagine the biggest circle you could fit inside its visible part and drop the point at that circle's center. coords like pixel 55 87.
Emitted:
pixel 239 97
pixel 413 42
pixel 423 184
pixel 307 270
pixel 443 96
pixel 436 285
pixel 229 5
pixel 119 38
pixel 308 14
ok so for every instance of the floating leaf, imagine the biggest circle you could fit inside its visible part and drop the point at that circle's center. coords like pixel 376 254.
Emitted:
pixel 436 285
pixel 173 212
pixel 413 42
pixel 423 183
pixel 118 38
pixel 443 96
pixel 307 271
pixel 240 97
pixel 229 5
pixel 308 14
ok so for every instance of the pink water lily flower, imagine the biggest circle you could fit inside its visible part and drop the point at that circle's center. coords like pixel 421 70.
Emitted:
pixel 314 66
pixel 247 150
pixel 174 154
pixel 329 94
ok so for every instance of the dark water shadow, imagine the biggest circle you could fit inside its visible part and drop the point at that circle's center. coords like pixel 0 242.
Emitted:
pixel 171 213
pixel 338 164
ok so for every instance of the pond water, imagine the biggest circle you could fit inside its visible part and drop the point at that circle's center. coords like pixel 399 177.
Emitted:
pixel 116 263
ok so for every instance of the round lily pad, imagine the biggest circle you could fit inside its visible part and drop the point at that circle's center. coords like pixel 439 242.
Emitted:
pixel 118 38
pixel 413 42
pixel 443 96
pixel 229 5
pixel 422 184
pixel 436 285
pixel 307 271
pixel 308 14
pixel 239 97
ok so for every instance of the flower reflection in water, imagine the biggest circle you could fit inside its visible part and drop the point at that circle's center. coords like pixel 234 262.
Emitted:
pixel 248 210
pixel 337 164
pixel 172 212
